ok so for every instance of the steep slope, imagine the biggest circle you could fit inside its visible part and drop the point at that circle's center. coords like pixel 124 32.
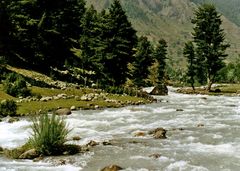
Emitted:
pixel 171 20
pixel 229 8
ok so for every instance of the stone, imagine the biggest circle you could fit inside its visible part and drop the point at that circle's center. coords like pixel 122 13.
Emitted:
pixel 63 111
pixel 179 110
pixel 106 143
pixel 30 154
pixel 159 133
pixel 160 89
pixel 139 134
pixel 92 143
pixel 73 108
pixel 200 125
pixel 112 168
pixel 155 156
pixel 76 138
pixel 11 120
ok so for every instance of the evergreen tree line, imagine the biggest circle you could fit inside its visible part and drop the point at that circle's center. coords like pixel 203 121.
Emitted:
pixel 101 47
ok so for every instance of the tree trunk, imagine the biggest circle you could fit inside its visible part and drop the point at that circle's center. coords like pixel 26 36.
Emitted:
pixel 209 84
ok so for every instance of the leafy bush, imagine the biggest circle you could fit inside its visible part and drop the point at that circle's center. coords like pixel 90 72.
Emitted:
pixel 49 134
pixel 8 107
pixel 16 86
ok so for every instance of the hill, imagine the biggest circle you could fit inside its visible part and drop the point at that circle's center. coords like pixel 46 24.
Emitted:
pixel 171 20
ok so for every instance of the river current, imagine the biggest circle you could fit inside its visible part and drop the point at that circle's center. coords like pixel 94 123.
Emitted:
pixel 203 135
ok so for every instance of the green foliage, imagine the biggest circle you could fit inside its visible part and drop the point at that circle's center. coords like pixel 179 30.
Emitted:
pixel 16 86
pixel 143 59
pixel 209 39
pixel 190 55
pixel 49 134
pixel 160 54
pixel 8 108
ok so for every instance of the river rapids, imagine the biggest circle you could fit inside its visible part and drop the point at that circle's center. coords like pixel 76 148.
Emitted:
pixel 203 135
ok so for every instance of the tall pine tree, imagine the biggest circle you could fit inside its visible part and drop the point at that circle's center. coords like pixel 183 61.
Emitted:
pixel 119 40
pixel 209 39
pixel 143 59
pixel 160 54
pixel 189 53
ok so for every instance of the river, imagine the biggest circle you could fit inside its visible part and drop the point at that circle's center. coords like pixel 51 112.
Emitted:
pixel 204 135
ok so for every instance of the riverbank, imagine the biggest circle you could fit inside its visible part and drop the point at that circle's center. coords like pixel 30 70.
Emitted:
pixel 217 89
pixel 50 99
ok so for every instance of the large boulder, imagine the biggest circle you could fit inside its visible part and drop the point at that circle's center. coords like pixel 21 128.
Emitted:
pixel 30 154
pixel 112 168
pixel 160 89
pixel 158 133
pixel 63 111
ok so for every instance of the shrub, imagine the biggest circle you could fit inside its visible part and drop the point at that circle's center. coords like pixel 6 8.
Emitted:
pixel 8 107
pixel 16 86
pixel 49 134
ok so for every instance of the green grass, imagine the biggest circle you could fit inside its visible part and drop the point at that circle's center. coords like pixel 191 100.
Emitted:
pixel 34 107
pixel 229 88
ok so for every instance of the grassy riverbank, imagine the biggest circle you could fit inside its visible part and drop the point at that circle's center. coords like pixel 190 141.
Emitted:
pixel 72 97
pixel 219 89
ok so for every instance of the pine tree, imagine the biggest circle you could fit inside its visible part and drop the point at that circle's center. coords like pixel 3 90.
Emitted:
pixel 189 53
pixel 142 61
pixel 119 38
pixel 160 54
pixel 209 39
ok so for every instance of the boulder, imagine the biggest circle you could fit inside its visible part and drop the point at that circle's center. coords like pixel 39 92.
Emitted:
pixel 159 133
pixel 160 89
pixel 30 154
pixel 139 134
pixel 112 168
pixel 92 143
pixel 76 138
pixel 63 111
pixel 155 156
pixel 11 120
pixel 73 108
pixel 179 110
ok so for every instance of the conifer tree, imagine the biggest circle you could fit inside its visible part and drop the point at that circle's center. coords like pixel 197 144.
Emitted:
pixel 209 38
pixel 160 54
pixel 142 61
pixel 119 40
pixel 189 53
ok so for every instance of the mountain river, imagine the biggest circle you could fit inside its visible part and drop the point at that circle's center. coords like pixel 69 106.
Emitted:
pixel 203 134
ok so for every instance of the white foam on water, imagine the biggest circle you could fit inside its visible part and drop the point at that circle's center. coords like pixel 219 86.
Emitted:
pixel 184 165
pixel 14 134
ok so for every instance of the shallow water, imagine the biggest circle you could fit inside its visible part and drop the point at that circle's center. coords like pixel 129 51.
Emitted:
pixel 213 146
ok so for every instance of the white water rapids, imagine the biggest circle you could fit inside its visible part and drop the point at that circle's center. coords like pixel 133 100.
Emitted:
pixel 214 146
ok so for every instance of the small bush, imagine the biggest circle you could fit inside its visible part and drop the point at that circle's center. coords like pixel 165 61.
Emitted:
pixel 8 107
pixel 16 86
pixel 49 134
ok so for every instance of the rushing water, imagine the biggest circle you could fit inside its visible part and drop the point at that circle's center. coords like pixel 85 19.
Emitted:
pixel 209 138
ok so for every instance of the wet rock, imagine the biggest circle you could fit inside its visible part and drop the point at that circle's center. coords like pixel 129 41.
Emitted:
pixel 200 125
pixel 217 90
pixel 63 111
pixel 204 98
pixel 92 143
pixel 106 143
pixel 11 120
pixel 179 110
pixel 160 89
pixel 139 134
pixel 76 138
pixel 73 108
pixel 112 168
pixel 159 133
pixel 30 154
pixel 37 159
pixel 155 156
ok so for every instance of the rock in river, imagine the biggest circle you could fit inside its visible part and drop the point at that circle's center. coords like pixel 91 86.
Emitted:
pixel 159 133
pixel 63 111
pixel 112 168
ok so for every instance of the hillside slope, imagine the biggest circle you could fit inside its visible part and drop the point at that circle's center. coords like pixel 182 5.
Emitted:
pixel 171 20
